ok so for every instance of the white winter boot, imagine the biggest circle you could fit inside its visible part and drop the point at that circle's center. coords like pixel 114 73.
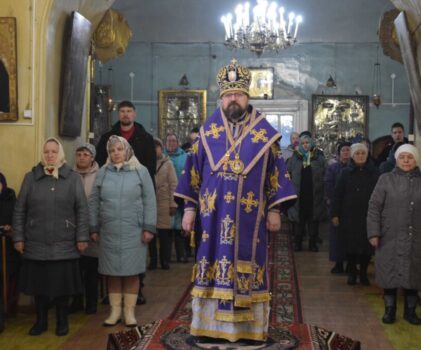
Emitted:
pixel 129 309
pixel 115 314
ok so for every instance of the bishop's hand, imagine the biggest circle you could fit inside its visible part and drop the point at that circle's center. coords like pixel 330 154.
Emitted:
pixel 273 221
pixel 188 220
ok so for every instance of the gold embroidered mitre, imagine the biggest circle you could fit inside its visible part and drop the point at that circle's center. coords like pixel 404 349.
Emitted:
pixel 233 78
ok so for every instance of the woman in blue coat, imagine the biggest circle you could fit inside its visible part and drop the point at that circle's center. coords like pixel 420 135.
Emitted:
pixel 122 210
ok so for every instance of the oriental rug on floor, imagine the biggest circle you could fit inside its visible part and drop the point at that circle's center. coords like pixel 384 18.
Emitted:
pixel 286 329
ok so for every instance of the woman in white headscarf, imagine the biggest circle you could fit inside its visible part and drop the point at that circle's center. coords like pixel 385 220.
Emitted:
pixel 394 229
pixel 349 210
pixel 123 219
pixel 50 229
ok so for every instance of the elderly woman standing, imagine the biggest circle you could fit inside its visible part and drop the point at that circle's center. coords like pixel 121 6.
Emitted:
pixel 349 210
pixel 166 183
pixel 122 210
pixel 50 225
pixel 394 229
pixel 336 247
pixel 306 168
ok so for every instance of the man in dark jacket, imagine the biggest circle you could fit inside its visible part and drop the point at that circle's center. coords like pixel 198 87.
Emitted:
pixel 397 133
pixel 140 140
pixel 142 143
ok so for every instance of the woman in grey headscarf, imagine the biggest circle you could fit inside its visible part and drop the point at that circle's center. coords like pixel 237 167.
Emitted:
pixel 123 218
pixel 394 229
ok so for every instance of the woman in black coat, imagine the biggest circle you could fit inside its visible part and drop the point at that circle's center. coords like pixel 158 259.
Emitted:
pixel 7 203
pixel 307 168
pixel 349 211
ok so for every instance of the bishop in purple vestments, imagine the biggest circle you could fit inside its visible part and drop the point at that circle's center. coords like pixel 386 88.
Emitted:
pixel 235 180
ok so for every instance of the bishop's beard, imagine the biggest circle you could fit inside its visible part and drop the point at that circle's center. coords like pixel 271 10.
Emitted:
pixel 234 112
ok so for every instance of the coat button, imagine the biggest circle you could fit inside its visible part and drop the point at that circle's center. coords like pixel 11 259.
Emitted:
pixel 52 189
pixel 412 203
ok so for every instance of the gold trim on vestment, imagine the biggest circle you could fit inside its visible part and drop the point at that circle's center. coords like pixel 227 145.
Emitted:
pixel 234 316
pixel 226 294
pixel 282 200
pixel 180 195
pixel 261 152
pixel 244 266
pixel 229 336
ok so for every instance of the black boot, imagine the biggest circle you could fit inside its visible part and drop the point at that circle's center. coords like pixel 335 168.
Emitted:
pixel 77 304
pixel 140 298
pixel 313 244
pixel 389 316
pixel 352 274
pixel 62 324
pixel 41 308
pixel 363 276
pixel 409 310
pixel 338 268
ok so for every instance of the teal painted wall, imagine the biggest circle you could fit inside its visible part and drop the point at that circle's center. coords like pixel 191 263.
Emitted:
pixel 299 72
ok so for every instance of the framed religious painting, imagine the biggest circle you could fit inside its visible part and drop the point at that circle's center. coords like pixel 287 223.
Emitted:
pixel 180 111
pixel 261 83
pixel 338 118
pixel 8 70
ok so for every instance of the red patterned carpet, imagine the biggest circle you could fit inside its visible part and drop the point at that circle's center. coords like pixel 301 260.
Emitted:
pixel 286 331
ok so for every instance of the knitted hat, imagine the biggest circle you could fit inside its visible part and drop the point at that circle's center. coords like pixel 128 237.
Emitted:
pixel 358 147
pixel 89 147
pixel 408 149
pixel 342 145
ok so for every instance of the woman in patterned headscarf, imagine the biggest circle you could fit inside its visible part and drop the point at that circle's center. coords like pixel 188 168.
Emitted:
pixel 50 225
pixel 306 168
pixel 123 218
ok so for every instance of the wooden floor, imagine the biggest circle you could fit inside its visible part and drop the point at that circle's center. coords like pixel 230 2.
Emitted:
pixel 327 301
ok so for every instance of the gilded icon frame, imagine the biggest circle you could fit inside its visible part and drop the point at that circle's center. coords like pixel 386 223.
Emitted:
pixel 8 65
pixel 338 118
pixel 180 111
pixel 261 83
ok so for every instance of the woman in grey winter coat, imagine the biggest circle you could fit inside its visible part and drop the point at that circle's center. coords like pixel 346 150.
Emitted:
pixel 50 224
pixel 307 168
pixel 394 229
pixel 122 210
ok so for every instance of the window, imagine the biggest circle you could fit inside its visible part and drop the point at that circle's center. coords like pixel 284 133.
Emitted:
pixel 284 123
pixel 285 116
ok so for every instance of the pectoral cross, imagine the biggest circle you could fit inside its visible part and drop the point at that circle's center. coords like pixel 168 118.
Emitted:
pixel 249 202
pixel 214 130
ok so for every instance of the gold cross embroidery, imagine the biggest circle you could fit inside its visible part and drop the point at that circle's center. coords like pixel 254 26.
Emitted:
pixel 214 131
pixel 205 236
pixel 259 136
pixel 249 202
pixel 229 197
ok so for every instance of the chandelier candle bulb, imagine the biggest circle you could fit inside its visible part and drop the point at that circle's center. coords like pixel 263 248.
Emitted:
pixel 265 32
pixel 291 17
pixel 298 20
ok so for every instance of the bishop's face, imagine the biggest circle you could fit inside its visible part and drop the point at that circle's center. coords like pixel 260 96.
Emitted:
pixel 234 104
